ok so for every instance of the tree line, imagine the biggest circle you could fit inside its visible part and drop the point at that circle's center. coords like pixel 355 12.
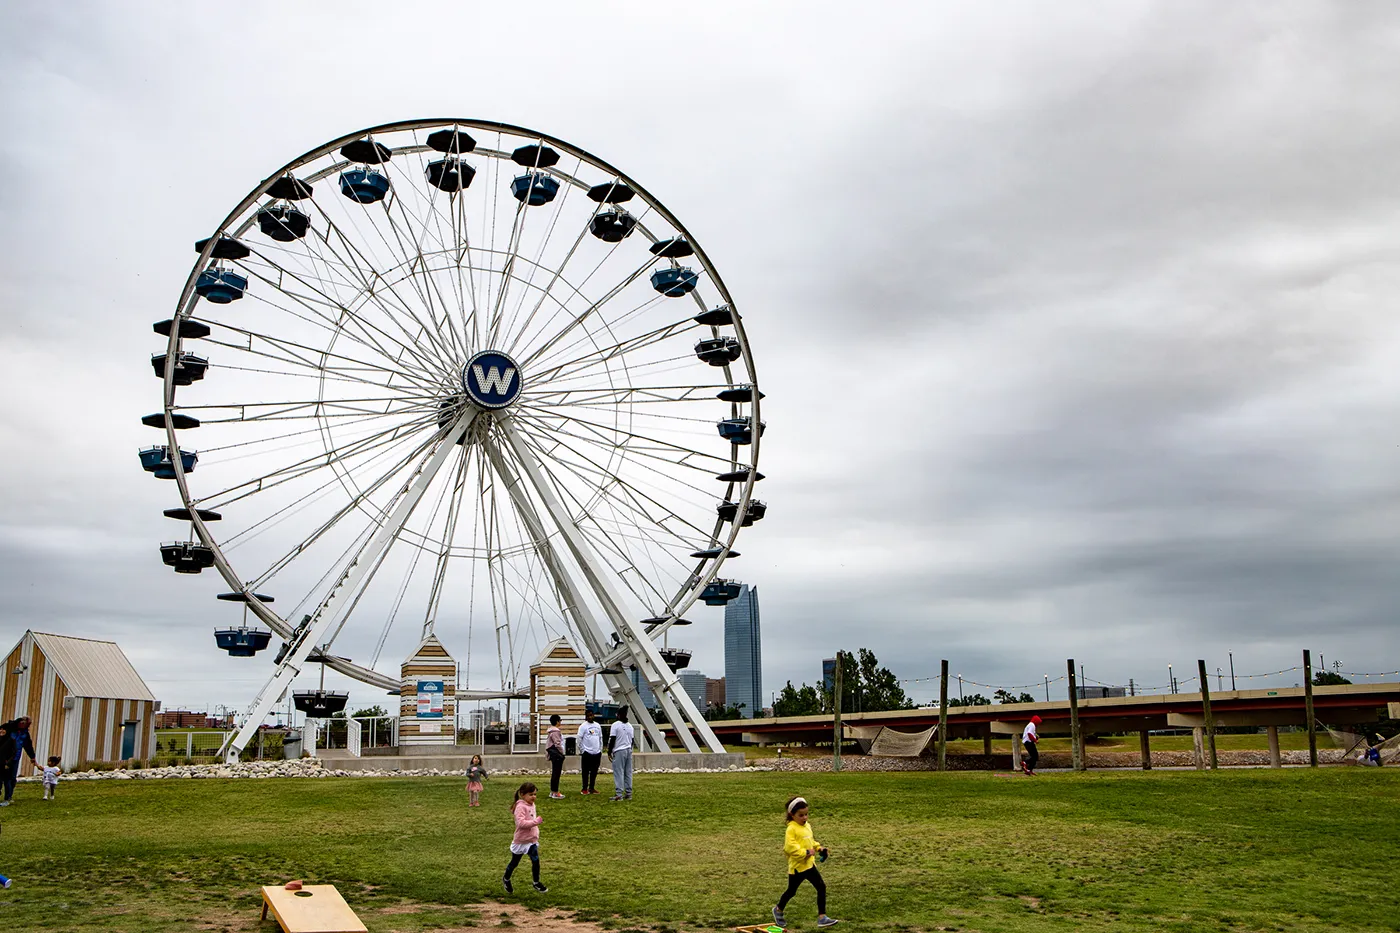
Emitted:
pixel 865 687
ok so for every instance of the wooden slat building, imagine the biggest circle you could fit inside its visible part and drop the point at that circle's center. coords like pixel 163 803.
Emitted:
pixel 86 700
pixel 420 724
pixel 557 685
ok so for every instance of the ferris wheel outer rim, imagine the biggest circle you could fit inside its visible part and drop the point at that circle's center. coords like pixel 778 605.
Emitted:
pixel 186 303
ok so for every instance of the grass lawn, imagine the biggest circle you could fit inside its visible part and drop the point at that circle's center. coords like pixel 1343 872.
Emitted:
pixel 1260 850
pixel 1287 741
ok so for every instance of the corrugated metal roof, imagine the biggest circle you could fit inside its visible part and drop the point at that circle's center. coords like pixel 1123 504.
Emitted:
pixel 93 668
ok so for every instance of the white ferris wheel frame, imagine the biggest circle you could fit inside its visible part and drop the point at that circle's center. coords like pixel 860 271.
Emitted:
pixel 575 571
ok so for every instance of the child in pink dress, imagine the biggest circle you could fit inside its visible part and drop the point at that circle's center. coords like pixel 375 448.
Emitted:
pixel 476 774
pixel 527 836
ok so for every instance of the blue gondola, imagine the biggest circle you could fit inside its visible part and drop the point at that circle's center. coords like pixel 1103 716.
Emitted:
pixel 676 658
pixel 180 422
pixel 289 188
pixel 739 393
pixel 612 226
pixel 283 223
pixel 157 460
pixel 242 642
pixel 188 367
pixel 712 552
pixel 454 141
pixel 728 511
pixel 655 621
pixel 721 316
pixel 183 515
pixel 534 188
pixel 363 185
pixel 740 475
pixel 675 283
pixel 719 592
pixel 740 430
pixel 677 247
pixel 450 175
pixel 610 192
pixel 719 351
pixel 189 330
pixel 320 704
pixel 220 285
pixel 366 151
pixel 186 556
pixel 226 248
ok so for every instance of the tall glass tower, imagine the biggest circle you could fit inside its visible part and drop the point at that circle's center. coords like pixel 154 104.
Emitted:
pixel 743 654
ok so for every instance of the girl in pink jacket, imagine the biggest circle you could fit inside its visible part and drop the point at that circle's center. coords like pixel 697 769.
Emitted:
pixel 527 836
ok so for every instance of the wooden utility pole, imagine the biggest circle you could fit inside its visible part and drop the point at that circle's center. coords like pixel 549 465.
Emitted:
pixel 836 719
pixel 1209 716
pixel 1076 749
pixel 1308 705
pixel 943 718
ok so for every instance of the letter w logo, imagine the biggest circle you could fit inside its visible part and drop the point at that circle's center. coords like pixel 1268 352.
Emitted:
pixel 492 381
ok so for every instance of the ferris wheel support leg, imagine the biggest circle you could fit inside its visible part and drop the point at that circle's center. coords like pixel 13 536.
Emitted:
pixel 349 584
pixel 571 594
pixel 673 699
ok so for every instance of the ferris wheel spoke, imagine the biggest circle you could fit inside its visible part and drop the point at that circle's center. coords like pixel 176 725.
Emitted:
pixel 314 310
pixel 387 437
pixel 312 408
pixel 366 271
pixel 503 334
pixel 645 445
pixel 606 477
pixel 590 311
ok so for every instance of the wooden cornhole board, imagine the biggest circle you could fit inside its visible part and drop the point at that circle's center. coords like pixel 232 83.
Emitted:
pixel 323 911
pixel 759 928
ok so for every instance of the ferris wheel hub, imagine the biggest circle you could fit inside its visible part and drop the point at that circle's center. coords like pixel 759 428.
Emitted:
pixel 492 380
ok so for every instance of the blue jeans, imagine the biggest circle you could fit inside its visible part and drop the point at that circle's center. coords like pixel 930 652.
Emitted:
pixel 622 773
pixel 9 773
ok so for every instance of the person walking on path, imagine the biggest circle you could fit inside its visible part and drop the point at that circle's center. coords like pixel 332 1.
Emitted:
pixel 14 743
pixel 526 840
pixel 803 852
pixel 51 773
pixel 476 779
pixel 620 738
pixel 590 751
pixel 554 748
pixel 1030 738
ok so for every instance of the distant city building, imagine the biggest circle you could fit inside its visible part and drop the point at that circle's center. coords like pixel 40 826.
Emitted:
pixel 714 692
pixel 644 688
pixel 743 654
pixel 829 674
pixel 693 683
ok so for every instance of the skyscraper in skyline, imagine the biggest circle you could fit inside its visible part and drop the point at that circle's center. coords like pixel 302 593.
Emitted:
pixel 693 682
pixel 743 655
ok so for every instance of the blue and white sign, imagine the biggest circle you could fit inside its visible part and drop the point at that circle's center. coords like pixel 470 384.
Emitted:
pixel 429 699
pixel 492 379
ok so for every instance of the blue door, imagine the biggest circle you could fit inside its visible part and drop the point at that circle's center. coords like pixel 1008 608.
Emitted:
pixel 128 740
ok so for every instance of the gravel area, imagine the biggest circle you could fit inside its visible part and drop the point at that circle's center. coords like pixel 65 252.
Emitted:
pixel 313 768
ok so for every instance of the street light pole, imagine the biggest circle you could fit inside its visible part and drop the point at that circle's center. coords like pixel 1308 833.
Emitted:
pixel 960 693
pixel 1232 671
pixel 1171 681
pixel 1047 688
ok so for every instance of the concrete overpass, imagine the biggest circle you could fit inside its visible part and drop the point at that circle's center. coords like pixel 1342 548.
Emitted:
pixel 1347 704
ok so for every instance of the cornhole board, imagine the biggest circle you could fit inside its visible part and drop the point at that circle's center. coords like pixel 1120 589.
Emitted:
pixel 760 928
pixel 316 908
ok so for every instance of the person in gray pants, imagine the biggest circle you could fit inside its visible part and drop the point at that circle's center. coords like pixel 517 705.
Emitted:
pixel 620 754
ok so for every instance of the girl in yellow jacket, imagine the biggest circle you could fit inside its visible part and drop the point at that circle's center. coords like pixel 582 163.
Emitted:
pixel 803 852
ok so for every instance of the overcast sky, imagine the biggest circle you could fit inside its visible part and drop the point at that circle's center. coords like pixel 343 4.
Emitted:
pixel 1078 324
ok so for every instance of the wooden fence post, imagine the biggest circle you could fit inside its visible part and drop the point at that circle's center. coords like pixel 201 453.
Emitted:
pixel 1308 704
pixel 1209 717
pixel 943 718
pixel 836 719
pixel 1146 750
pixel 1077 756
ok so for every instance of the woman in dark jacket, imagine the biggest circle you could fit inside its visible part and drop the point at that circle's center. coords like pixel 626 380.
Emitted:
pixel 14 742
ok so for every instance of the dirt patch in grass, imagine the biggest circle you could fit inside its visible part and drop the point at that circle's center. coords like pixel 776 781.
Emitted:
pixel 393 919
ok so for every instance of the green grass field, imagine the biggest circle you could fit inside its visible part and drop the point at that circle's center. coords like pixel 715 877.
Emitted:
pixel 1248 850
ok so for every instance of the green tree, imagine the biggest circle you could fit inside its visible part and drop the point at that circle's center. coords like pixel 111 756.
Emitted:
pixel 373 712
pixel 1328 679
pixel 971 699
pixel 721 713
pixel 798 701
pixel 1006 696
pixel 866 687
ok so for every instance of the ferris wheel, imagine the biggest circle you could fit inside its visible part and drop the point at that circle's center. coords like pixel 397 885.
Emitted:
pixel 461 378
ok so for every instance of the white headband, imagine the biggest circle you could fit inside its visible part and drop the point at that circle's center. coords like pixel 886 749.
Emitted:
pixel 797 804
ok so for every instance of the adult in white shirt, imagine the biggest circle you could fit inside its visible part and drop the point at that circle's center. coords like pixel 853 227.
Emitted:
pixel 620 754
pixel 590 749
pixel 1030 738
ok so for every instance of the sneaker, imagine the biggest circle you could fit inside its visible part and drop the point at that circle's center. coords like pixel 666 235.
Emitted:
pixel 510 888
pixel 825 921
pixel 4 803
pixel 540 887
pixel 778 917
pixel 585 792
pixel 556 796
pixel 615 797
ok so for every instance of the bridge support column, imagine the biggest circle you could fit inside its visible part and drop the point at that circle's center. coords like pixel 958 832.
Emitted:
pixel 1275 759
pixel 987 740
pixel 1146 750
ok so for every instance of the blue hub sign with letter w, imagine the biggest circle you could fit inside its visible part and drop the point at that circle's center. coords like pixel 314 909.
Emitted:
pixel 492 379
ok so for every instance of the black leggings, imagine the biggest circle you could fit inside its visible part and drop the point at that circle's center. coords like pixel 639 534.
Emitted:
pixel 1032 754
pixel 590 769
pixel 534 853
pixel 556 768
pixel 796 879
